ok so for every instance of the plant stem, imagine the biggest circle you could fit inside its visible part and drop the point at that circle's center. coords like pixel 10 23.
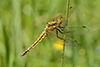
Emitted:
pixel 66 23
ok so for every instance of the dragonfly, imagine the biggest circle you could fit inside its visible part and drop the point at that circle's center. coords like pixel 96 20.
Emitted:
pixel 55 24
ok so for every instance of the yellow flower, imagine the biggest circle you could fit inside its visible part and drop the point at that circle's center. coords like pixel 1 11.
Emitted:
pixel 58 45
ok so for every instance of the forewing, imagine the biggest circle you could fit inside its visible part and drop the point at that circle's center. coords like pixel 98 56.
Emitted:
pixel 71 10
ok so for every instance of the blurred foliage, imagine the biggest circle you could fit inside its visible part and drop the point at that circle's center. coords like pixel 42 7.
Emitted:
pixel 22 21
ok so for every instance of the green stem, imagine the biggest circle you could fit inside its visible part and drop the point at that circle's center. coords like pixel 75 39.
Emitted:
pixel 67 11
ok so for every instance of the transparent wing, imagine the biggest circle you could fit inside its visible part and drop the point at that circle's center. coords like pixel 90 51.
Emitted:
pixel 70 31
pixel 71 10
pixel 44 18
pixel 75 30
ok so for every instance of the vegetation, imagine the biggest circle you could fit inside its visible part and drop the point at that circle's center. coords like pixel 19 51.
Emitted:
pixel 22 21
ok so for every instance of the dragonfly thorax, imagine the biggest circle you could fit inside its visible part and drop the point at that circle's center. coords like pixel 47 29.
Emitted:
pixel 59 20
pixel 52 25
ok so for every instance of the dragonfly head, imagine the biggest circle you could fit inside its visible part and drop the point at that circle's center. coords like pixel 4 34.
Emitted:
pixel 59 20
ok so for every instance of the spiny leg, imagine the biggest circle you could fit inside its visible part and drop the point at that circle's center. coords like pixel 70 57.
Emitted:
pixel 61 27
pixel 57 35
pixel 66 38
pixel 73 40
pixel 61 31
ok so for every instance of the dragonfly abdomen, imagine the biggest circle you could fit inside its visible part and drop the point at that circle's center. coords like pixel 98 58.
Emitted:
pixel 42 36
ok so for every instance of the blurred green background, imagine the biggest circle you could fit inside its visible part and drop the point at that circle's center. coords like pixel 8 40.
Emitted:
pixel 22 21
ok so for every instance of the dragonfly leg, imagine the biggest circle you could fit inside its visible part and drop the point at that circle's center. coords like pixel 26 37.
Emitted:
pixel 73 40
pixel 62 32
pixel 66 38
pixel 57 34
pixel 61 27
